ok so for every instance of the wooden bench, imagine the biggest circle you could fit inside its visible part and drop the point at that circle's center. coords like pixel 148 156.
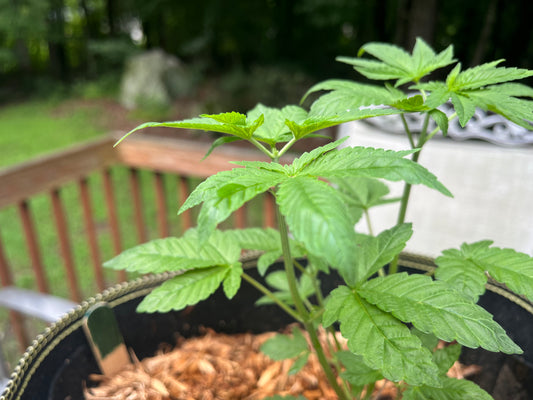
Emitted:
pixel 158 158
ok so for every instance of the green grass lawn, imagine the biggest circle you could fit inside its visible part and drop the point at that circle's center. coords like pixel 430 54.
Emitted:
pixel 33 128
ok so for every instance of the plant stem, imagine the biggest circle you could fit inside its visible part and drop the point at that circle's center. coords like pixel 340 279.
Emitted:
pixel 300 308
pixel 262 148
pixel 287 146
pixel 368 222
pixel 271 296
pixel 407 188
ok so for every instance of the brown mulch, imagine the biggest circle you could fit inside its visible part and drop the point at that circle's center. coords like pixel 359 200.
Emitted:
pixel 214 366
pixel 225 367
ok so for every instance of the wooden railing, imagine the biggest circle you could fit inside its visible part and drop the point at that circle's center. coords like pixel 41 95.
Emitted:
pixel 175 160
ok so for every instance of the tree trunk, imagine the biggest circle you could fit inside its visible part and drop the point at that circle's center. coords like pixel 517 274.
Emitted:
pixel 421 23
pixel 486 32
pixel 59 65
pixel 111 17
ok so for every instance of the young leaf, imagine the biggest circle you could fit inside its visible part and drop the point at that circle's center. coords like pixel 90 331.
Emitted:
pixel 464 107
pixel 452 389
pixel 441 120
pixel 374 253
pixel 385 343
pixel 267 240
pixel 278 280
pixel 282 347
pixel 175 254
pixel 508 266
pixel 396 63
pixel 363 192
pixel 357 372
pixel 433 306
pixel 184 290
pixel 373 163
pixel 230 123
pixel 232 282
pixel 315 215
pixel 274 129
pixel 308 157
pixel 310 125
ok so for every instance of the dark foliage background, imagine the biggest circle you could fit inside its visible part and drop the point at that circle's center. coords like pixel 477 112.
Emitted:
pixel 43 42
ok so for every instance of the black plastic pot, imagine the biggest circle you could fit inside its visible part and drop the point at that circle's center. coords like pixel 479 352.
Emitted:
pixel 57 365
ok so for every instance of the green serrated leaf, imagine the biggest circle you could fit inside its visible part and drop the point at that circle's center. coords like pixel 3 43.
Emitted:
pixel 433 306
pixel 301 130
pixel 445 357
pixel 508 266
pixel 357 372
pixel 282 347
pixel 412 104
pixel 298 364
pixel 232 282
pixel 438 96
pixel 184 290
pixel 266 239
pixel 458 269
pixel 487 74
pixel 373 253
pixel 233 117
pixel 440 119
pixel 363 192
pixel 274 130
pixel 278 280
pixel 266 260
pixel 429 340
pixel 452 389
pixel 384 342
pixel 373 163
pixel 396 63
pixel 353 100
pixel 299 163
pixel 315 215
pixel 176 254
pixel 230 194
pixel 229 123
pixel 497 100
pixel 464 107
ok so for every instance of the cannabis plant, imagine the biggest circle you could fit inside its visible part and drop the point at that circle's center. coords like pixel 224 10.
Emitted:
pixel 391 320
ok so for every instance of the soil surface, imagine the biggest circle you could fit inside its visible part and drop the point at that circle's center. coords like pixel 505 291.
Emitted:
pixel 232 367
pixel 222 367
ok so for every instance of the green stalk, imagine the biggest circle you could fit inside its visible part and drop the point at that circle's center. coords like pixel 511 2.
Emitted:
pixel 407 188
pixel 300 308
pixel 271 296
pixel 262 148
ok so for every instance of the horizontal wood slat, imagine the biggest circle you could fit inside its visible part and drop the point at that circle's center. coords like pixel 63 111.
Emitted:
pixel 182 157
pixel 49 172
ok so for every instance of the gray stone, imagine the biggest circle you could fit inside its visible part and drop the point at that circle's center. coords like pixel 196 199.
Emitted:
pixel 153 79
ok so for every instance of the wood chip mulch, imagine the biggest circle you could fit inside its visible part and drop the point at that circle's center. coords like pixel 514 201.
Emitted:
pixel 222 367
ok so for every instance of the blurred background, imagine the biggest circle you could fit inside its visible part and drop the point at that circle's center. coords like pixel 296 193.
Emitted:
pixel 80 47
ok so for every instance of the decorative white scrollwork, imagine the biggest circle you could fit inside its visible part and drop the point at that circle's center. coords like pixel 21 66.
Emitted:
pixel 484 126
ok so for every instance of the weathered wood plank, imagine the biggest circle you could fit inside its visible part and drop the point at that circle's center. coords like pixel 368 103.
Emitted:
pixel 180 156
pixel 46 173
